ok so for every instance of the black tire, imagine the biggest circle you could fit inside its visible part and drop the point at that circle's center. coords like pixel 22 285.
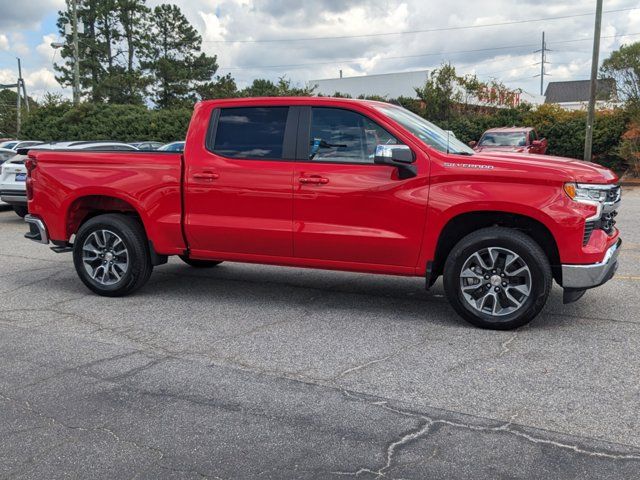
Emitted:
pixel 518 243
pixel 132 234
pixel 20 210
pixel 199 263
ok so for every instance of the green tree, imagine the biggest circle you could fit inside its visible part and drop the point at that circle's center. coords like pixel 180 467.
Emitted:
pixel 175 58
pixel 441 92
pixel 624 66
pixel 261 87
pixel 134 19
pixel 222 87
pixel 8 112
pixel 115 31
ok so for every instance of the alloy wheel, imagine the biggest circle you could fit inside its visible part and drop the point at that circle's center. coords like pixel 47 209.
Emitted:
pixel 495 281
pixel 105 257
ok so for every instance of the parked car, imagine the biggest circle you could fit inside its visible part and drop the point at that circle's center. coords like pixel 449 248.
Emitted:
pixel 147 145
pixel 511 139
pixel 172 147
pixel 14 173
pixel 16 144
pixel 337 184
pixel 6 154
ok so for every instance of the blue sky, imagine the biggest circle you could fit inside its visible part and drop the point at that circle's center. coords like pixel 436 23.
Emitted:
pixel 502 52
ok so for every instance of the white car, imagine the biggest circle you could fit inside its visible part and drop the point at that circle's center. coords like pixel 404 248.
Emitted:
pixel 5 154
pixel 172 147
pixel 16 144
pixel 13 176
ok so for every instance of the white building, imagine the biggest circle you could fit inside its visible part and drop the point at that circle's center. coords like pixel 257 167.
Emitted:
pixel 388 85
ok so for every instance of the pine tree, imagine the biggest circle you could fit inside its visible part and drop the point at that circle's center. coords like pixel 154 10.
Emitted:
pixel 114 33
pixel 175 58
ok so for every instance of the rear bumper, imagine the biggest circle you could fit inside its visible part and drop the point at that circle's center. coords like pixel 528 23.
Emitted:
pixel 14 197
pixel 592 275
pixel 37 229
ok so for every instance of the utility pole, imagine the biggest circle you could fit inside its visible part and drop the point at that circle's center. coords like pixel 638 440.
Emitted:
pixel 18 110
pixel 76 52
pixel 588 138
pixel 543 54
pixel 22 84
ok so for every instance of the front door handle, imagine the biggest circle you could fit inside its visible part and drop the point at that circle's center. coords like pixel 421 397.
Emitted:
pixel 208 176
pixel 316 180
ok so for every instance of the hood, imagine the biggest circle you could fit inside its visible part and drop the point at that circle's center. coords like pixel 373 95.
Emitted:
pixel 560 168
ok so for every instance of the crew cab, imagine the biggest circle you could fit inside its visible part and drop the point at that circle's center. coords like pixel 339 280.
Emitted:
pixel 337 184
pixel 511 139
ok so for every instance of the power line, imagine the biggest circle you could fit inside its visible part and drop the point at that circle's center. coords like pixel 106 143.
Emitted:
pixel 410 32
pixel 356 60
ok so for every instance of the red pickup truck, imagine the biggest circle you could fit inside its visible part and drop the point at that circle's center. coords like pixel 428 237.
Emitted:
pixel 336 184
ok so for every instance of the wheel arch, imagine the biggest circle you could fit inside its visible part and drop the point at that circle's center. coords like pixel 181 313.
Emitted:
pixel 463 224
pixel 85 207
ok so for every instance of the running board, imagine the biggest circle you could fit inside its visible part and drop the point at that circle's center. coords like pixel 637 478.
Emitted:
pixel 63 249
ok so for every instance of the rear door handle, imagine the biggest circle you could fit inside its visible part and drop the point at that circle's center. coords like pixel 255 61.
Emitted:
pixel 316 180
pixel 208 176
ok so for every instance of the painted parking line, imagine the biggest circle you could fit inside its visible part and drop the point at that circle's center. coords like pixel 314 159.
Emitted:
pixel 627 277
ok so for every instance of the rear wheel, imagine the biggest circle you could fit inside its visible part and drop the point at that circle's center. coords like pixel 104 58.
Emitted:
pixel 497 278
pixel 111 255
pixel 20 210
pixel 199 263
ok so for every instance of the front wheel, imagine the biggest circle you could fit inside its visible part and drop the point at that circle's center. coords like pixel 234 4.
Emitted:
pixel 497 278
pixel 111 255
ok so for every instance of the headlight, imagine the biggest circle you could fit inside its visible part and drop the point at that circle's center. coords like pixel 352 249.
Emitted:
pixel 603 197
pixel 585 193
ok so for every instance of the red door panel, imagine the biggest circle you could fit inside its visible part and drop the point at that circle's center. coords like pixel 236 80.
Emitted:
pixel 358 213
pixel 245 208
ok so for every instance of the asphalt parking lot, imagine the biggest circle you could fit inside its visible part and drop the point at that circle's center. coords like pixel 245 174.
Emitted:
pixel 248 371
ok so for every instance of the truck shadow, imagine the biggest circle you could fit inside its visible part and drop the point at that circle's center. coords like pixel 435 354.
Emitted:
pixel 260 287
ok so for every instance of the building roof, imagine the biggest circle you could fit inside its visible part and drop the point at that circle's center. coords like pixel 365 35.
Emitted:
pixel 578 91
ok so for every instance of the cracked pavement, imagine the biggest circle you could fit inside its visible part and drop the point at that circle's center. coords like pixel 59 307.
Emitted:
pixel 248 371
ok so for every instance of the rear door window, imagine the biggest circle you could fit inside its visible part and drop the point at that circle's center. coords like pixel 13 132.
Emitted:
pixel 251 132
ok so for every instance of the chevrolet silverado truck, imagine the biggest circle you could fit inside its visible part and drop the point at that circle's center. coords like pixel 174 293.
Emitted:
pixel 336 184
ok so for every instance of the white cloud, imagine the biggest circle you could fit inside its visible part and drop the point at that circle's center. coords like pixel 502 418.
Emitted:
pixel 44 49
pixel 4 42
pixel 501 52
pixel 481 50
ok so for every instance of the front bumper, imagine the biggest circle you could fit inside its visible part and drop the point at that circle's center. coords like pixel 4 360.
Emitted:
pixel 588 276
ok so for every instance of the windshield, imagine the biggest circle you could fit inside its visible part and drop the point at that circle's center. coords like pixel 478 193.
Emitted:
pixel 503 139
pixel 426 131
pixel 9 144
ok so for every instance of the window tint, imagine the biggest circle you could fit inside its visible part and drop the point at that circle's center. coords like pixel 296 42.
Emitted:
pixel 256 132
pixel 344 136
pixel 532 136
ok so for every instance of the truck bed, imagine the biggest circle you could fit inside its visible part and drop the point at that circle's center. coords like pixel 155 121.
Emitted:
pixel 144 183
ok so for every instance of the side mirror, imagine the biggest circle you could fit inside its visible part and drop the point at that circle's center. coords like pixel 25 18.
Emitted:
pixel 399 156
pixel 473 143
pixel 536 143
